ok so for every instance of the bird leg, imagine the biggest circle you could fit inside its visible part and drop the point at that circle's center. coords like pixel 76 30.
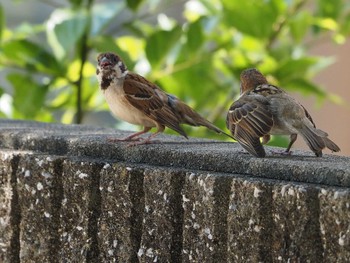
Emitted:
pixel 149 139
pixel 132 137
pixel 293 138
pixel 266 139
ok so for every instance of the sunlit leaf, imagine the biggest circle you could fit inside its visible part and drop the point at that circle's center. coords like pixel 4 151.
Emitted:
pixel 195 9
pixel 326 23
pixel 132 46
pixel 336 99
pixel 27 30
pixel 339 39
pixel 64 28
pixel 73 70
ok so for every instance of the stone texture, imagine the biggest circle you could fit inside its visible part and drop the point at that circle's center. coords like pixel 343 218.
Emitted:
pixel 9 212
pixel 249 222
pixel 80 210
pixel 205 202
pixel 68 195
pixel 162 218
pixel 296 234
pixel 193 154
pixel 334 217
pixel 122 205
pixel 37 193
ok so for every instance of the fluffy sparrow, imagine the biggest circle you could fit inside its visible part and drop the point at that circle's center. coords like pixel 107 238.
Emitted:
pixel 263 110
pixel 136 100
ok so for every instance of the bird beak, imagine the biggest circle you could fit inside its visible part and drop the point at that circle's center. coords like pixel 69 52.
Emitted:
pixel 105 62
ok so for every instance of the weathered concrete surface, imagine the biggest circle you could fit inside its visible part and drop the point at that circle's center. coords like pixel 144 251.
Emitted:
pixel 120 228
pixel 9 216
pixel 199 154
pixel 67 195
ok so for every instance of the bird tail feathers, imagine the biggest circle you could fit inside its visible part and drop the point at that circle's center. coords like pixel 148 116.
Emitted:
pixel 317 140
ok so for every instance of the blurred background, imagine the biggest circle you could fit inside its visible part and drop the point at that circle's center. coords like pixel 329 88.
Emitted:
pixel 194 49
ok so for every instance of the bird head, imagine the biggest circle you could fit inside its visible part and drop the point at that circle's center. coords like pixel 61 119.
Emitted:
pixel 108 61
pixel 251 78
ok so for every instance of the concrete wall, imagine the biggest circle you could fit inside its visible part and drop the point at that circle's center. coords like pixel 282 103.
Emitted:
pixel 68 195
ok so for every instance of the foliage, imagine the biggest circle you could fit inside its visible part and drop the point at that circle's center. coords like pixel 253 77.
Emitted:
pixel 196 54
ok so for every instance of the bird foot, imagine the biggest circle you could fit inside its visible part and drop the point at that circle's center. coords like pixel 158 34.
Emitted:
pixel 127 139
pixel 142 142
pixel 283 153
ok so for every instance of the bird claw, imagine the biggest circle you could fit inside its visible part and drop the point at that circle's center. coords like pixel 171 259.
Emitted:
pixel 142 142
pixel 283 153
pixel 127 139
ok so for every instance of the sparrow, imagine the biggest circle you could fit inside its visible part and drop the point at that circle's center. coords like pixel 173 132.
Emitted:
pixel 134 99
pixel 263 110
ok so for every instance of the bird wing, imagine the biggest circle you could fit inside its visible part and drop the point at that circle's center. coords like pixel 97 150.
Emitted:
pixel 248 119
pixel 152 101
pixel 307 114
pixel 189 116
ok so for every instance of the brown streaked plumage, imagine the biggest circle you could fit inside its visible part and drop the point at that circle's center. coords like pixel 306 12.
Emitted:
pixel 263 110
pixel 136 100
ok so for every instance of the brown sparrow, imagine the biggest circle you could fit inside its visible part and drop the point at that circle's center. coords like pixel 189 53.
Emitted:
pixel 263 110
pixel 136 100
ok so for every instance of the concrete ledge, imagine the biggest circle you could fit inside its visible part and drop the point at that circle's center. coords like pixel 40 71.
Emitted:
pixel 66 193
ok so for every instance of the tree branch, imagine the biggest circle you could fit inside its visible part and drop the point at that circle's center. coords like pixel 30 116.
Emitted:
pixel 84 50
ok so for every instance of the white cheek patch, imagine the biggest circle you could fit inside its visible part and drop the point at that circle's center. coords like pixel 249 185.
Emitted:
pixel 125 73
pixel 121 70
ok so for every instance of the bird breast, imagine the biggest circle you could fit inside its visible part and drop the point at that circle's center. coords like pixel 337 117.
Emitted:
pixel 122 109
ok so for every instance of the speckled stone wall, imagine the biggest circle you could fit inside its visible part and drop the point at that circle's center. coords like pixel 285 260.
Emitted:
pixel 68 195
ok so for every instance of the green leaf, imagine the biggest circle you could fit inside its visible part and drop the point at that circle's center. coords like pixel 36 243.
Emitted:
pixel 300 24
pixel 30 56
pixel 194 83
pixel 64 28
pixel 293 68
pixel 330 9
pixel 76 3
pixel 134 4
pixel 326 23
pixel 305 87
pixel 345 26
pixel 195 36
pixel 104 14
pixel 254 17
pixel 1 91
pixel 279 140
pixel 28 97
pixel 160 43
